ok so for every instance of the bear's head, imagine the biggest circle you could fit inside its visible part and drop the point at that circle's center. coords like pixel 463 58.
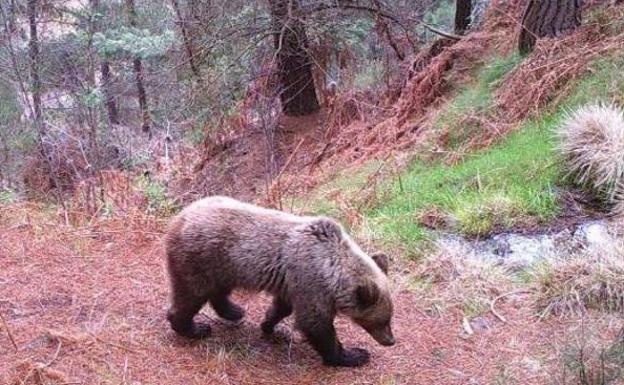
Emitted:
pixel 368 302
pixel 373 308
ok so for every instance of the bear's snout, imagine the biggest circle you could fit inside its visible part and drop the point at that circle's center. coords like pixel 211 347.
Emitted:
pixel 383 335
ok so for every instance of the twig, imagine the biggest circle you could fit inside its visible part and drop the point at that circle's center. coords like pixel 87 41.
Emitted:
pixel 467 327
pixel 493 303
pixel 447 35
pixel 55 356
pixel 118 346
pixel 6 326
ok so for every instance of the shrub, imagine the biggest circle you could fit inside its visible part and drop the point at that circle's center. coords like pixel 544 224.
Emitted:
pixel 594 279
pixel 592 144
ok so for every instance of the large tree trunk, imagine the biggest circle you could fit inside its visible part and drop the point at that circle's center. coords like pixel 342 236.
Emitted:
pixel 294 64
pixel 186 39
pixel 548 18
pixel 463 8
pixel 33 56
pixel 138 74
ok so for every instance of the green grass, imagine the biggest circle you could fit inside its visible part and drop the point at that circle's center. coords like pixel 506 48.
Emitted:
pixel 510 183
pixel 604 84
pixel 490 188
pixel 322 201
pixel 472 100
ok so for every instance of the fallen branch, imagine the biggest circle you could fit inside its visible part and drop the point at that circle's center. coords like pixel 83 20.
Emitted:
pixel 447 35
pixel 6 326
pixel 493 303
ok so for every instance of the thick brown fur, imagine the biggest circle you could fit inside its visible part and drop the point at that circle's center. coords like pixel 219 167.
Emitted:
pixel 309 264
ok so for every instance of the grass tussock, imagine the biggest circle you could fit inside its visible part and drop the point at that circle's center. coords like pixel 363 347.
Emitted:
pixel 454 278
pixel 591 356
pixel 594 279
pixel 592 144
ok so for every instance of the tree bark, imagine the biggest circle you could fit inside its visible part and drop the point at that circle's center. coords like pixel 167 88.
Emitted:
pixel 463 9
pixel 138 74
pixel 111 106
pixel 105 73
pixel 12 17
pixel 186 39
pixel 33 56
pixel 294 64
pixel 548 18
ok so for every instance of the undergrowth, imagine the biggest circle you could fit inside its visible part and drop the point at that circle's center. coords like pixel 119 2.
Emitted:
pixel 498 187
pixel 473 100
pixel 515 182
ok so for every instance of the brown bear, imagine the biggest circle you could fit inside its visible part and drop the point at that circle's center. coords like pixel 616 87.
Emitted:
pixel 309 264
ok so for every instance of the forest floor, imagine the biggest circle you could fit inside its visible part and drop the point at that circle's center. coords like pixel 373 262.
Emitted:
pixel 86 305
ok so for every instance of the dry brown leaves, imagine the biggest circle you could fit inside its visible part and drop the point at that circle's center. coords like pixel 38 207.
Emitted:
pixel 549 72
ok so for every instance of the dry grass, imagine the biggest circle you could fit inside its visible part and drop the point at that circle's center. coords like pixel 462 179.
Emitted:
pixel 590 353
pixel 456 278
pixel 548 74
pixel 592 144
pixel 573 285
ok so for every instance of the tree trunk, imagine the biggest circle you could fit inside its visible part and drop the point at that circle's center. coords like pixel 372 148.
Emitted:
pixel 138 74
pixel 111 106
pixel 548 18
pixel 463 9
pixel 33 55
pixel 294 65
pixel 12 16
pixel 92 111
pixel 105 74
pixel 186 39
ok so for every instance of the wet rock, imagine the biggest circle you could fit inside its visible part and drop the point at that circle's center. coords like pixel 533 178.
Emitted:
pixel 480 324
pixel 594 234
pixel 518 251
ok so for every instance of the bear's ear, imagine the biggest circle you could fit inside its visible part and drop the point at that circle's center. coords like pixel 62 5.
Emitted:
pixel 326 229
pixel 366 295
pixel 381 260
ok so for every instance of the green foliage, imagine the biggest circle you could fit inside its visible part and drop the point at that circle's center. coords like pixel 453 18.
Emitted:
pixel 136 160
pixel 156 194
pixel 346 32
pixel 499 188
pixel 441 15
pixel 370 75
pixel 7 196
pixel 133 42
pixel 10 109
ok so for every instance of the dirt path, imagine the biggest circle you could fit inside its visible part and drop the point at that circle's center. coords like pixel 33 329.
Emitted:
pixel 87 307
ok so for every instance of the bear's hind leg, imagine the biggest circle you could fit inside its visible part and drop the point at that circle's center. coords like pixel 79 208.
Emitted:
pixel 184 307
pixel 225 308
pixel 279 310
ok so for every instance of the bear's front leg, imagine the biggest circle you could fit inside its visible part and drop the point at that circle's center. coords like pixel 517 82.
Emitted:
pixel 321 334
